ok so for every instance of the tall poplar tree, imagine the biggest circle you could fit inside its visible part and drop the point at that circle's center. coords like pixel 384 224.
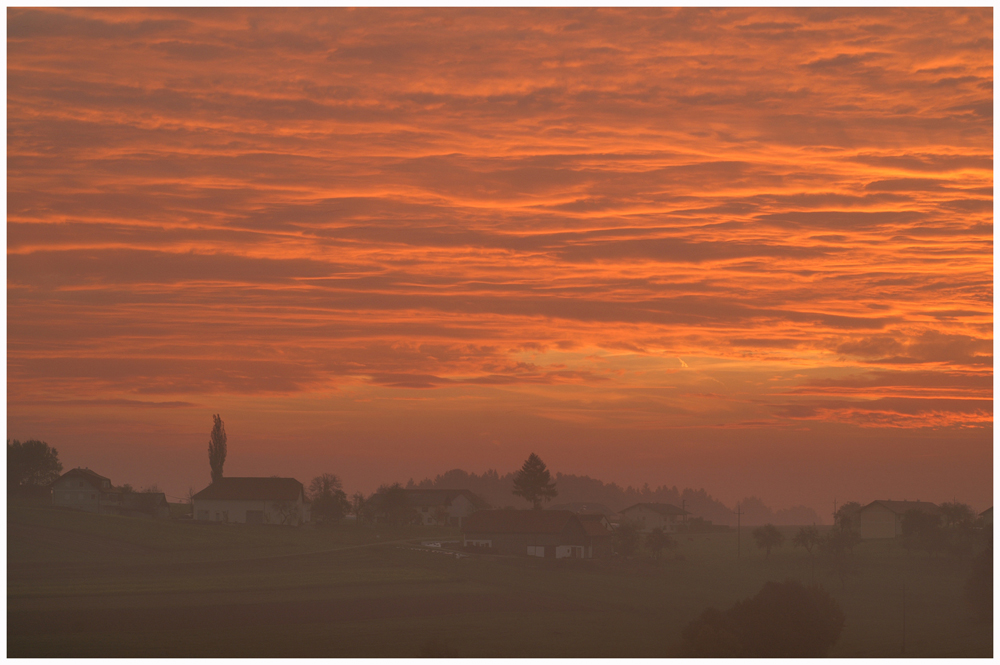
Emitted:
pixel 217 448
pixel 534 483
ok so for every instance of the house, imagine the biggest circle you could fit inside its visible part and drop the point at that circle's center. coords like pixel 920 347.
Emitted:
pixel 145 504
pixel 451 507
pixel 600 532
pixel 83 489
pixel 648 516
pixel 252 501
pixel 543 533
pixel 884 519
pixel 580 507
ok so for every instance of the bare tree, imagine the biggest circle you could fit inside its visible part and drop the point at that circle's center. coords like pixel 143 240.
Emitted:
pixel 329 502
pixel 359 506
pixel 217 448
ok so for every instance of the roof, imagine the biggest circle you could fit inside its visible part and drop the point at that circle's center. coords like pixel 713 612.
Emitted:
pixel 96 479
pixel 252 489
pixel 900 507
pixel 581 507
pixel 519 521
pixel 436 497
pixel 596 527
pixel 664 509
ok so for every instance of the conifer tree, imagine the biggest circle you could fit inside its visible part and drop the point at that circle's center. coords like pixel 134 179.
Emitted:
pixel 534 483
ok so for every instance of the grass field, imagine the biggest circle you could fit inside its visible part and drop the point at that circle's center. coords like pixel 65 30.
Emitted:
pixel 81 585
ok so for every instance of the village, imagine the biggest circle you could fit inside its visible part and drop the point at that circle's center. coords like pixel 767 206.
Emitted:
pixel 578 530
pixel 264 546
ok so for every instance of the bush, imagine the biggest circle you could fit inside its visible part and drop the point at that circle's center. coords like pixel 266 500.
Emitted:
pixel 979 588
pixel 786 620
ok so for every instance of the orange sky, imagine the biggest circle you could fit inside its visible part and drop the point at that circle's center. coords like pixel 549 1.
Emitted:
pixel 745 250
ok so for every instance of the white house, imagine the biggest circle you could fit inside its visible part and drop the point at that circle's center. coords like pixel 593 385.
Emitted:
pixel 649 516
pixel 83 489
pixel 884 519
pixel 252 501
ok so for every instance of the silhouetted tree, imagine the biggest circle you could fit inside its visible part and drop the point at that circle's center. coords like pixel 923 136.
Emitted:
pixel 31 464
pixel 979 588
pixel 848 516
pixel 838 544
pixel 658 540
pixel 626 538
pixel 767 537
pixel 807 538
pixel 956 514
pixel 287 512
pixel 534 483
pixel 784 620
pixel 329 502
pixel 391 506
pixel 217 448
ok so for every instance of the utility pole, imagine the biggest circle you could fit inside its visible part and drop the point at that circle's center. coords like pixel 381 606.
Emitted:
pixel 738 513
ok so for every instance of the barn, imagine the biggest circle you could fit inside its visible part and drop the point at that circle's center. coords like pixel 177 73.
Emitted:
pixel 252 501
pixel 884 519
pixel 543 533
pixel 649 516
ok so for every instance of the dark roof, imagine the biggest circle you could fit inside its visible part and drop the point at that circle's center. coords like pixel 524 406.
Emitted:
pixel 900 507
pixel 436 497
pixel 253 489
pixel 95 479
pixel 580 507
pixel 144 500
pixel 519 521
pixel 665 509
pixel 596 527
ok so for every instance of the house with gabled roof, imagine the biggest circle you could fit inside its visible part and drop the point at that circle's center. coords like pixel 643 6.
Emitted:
pixel 252 501
pixel 543 533
pixel 445 507
pixel 884 519
pixel 600 534
pixel 649 516
pixel 83 489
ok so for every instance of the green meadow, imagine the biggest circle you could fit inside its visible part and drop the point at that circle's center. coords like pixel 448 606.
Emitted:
pixel 81 585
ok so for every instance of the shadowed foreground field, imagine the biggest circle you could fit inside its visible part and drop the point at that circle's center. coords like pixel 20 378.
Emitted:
pixel 100 586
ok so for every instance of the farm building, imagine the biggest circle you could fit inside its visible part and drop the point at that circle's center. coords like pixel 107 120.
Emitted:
pixel 580 508
pixel 252 501
pixel 450 507
pixel 145 504
pixel 543 533
pixel 600 532
pixel 884 519
pixel 648 516
pixel 83 489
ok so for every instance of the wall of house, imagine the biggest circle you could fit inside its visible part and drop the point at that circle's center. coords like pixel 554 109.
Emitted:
pixel 459 509
pixel 878 522
pixel 552 545
pixel 649 519
pixel 246 512
pixel 76 493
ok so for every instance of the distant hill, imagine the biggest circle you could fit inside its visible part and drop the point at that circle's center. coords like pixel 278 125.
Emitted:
pixel 497 490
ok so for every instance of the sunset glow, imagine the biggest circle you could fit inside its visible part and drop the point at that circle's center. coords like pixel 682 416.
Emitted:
pixel 745 250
